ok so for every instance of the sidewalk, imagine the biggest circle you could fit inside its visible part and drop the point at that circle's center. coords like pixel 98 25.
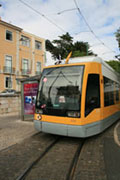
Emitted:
pixel 13 130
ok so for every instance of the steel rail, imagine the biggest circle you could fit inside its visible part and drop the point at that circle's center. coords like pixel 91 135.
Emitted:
pixel 27 170
pixel 73 165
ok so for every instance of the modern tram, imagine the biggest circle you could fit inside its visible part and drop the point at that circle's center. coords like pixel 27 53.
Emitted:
pixel 79 98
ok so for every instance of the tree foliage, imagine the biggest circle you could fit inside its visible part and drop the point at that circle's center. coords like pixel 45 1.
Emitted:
pixel 117 34
pixel 61 47
pixel 115 65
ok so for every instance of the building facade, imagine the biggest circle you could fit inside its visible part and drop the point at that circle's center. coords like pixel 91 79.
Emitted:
pixel 21 55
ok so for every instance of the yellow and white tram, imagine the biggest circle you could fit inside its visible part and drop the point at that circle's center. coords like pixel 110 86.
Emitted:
pixel 79 99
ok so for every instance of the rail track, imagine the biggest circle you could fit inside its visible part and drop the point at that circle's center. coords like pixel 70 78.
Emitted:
pixel 27 170
pixel 50 157
pixel 57 161
pixel 74 161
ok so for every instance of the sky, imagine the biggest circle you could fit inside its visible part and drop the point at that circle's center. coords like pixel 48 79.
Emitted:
pixel 92 21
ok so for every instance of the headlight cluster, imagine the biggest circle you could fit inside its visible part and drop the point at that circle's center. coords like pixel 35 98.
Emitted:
pixel 73 114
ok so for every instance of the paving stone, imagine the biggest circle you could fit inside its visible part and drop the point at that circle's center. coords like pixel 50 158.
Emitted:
pixel 15 160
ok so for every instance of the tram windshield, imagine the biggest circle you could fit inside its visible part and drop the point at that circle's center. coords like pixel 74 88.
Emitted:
pixel 59 91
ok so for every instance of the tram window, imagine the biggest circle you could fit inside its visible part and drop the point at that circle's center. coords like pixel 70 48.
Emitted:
pixel 117 95
pixel 108 92
pixel 92 93
pixel 111 92
pixel 117 91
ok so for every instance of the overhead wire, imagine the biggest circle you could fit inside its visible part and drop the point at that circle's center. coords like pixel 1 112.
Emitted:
pixel 81 32
pixel 81 14
pixel 66 10
pixel 61 12
pixel 60 28
pixel 43 15
pixel 96 44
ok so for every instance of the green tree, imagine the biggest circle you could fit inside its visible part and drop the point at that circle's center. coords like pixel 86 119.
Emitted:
pixel 117 34
pixel 61 47
pixel 115 65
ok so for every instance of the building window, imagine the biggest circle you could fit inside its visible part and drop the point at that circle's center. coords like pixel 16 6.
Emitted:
pixel 38 45
pixel 9 35
pixel 25 66
pixel 8 82
pixel 8 64
pixel 18 82
pixel 38 68
pixel 25 41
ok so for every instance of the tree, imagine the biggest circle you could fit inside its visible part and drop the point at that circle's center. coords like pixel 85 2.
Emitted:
pixel 115 65
pixel 61 47
pixel 117 34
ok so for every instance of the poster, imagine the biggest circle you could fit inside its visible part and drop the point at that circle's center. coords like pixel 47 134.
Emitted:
pixel 30 92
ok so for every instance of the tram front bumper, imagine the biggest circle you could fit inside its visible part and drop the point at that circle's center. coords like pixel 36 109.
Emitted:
pixel 38 125
pixel 60 129
pixel 76 131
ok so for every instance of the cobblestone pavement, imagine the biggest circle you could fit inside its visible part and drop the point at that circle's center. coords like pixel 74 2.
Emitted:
pixel 13 130
pixel 15 160
pixel 112 153
pixel 98 160
pixel 91 164
pixel 55 165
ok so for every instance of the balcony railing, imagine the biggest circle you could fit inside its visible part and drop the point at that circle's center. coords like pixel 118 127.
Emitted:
pixel 25 72
pixel 8 70
pixel 38 72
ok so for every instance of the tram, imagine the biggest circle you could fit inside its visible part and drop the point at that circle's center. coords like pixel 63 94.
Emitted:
pixel 79 98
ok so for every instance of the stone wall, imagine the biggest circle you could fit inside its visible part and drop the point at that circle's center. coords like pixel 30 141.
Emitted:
pixel 10 105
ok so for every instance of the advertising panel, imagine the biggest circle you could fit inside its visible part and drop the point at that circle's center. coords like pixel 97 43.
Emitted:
pixel 30 92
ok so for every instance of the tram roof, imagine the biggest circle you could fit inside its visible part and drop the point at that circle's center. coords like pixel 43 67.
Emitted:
pixel 105 67
pixel 88 59
pixel 85 59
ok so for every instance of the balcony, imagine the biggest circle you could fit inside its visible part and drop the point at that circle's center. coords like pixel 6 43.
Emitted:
pixel 38 72
pixel 25 72
pixel 8 70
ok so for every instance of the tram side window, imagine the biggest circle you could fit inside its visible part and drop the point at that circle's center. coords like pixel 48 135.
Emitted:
pixel 108 92
pixel 92 93
pixel 117 91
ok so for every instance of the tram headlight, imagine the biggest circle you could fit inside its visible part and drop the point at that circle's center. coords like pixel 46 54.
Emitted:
pixel 73 114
